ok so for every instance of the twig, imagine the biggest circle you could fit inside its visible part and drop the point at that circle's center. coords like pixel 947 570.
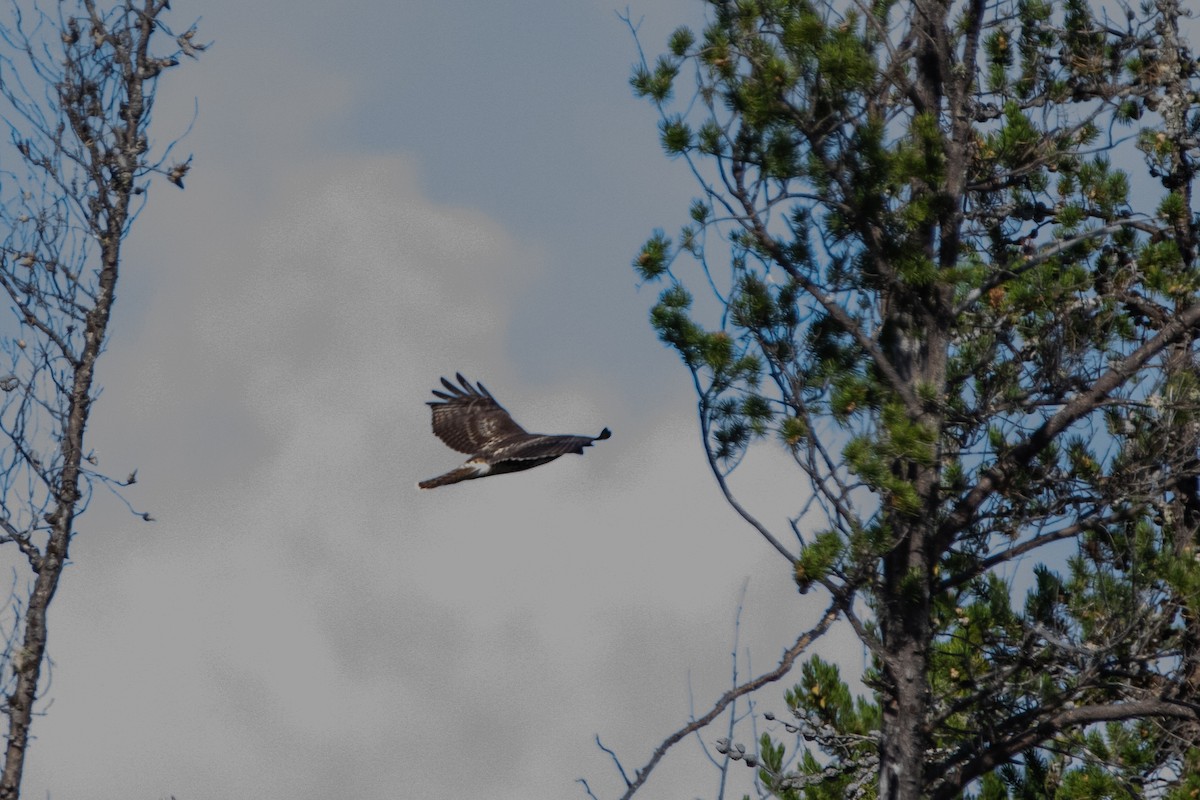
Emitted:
pixel 615 760
pixel 723 484
pixel 587 788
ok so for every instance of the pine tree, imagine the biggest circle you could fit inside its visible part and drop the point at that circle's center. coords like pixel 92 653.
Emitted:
pixel 953 253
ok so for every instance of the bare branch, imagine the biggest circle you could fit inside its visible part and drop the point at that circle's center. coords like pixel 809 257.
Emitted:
pixel 785 666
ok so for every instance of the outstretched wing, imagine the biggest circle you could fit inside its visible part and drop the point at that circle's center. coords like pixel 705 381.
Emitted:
pixel 469 419
pixel 543 447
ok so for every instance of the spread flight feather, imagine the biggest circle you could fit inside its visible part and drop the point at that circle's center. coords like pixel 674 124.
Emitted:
pixel 468 419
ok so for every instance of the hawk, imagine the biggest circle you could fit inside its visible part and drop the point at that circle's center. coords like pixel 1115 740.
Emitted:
pixel 469 420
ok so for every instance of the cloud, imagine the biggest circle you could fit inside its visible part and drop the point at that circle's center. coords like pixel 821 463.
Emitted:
pixel 241 631
pixel 302 622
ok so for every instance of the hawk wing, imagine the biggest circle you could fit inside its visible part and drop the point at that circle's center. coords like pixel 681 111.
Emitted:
pixel 469 419
pixel 537 446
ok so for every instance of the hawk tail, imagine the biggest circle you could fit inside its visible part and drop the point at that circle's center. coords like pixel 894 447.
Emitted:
pixel 463 473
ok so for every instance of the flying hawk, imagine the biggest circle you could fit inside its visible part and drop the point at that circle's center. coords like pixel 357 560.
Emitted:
pixel 470 420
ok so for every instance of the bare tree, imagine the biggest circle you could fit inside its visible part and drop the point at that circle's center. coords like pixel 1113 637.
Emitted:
pixel 79 82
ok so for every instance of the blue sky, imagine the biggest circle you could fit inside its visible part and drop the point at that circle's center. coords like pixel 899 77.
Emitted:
pixel 382 194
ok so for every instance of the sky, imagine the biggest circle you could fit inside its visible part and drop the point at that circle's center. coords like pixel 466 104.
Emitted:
pixel 383 194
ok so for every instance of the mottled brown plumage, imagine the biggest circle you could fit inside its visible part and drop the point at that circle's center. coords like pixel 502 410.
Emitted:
pixel 469 419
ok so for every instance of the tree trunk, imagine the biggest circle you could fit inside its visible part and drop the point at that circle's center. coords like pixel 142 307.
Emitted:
pixel 27 664
pixel 906 636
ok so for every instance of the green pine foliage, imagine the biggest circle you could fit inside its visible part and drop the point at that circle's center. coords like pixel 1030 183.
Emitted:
pixel 960 289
